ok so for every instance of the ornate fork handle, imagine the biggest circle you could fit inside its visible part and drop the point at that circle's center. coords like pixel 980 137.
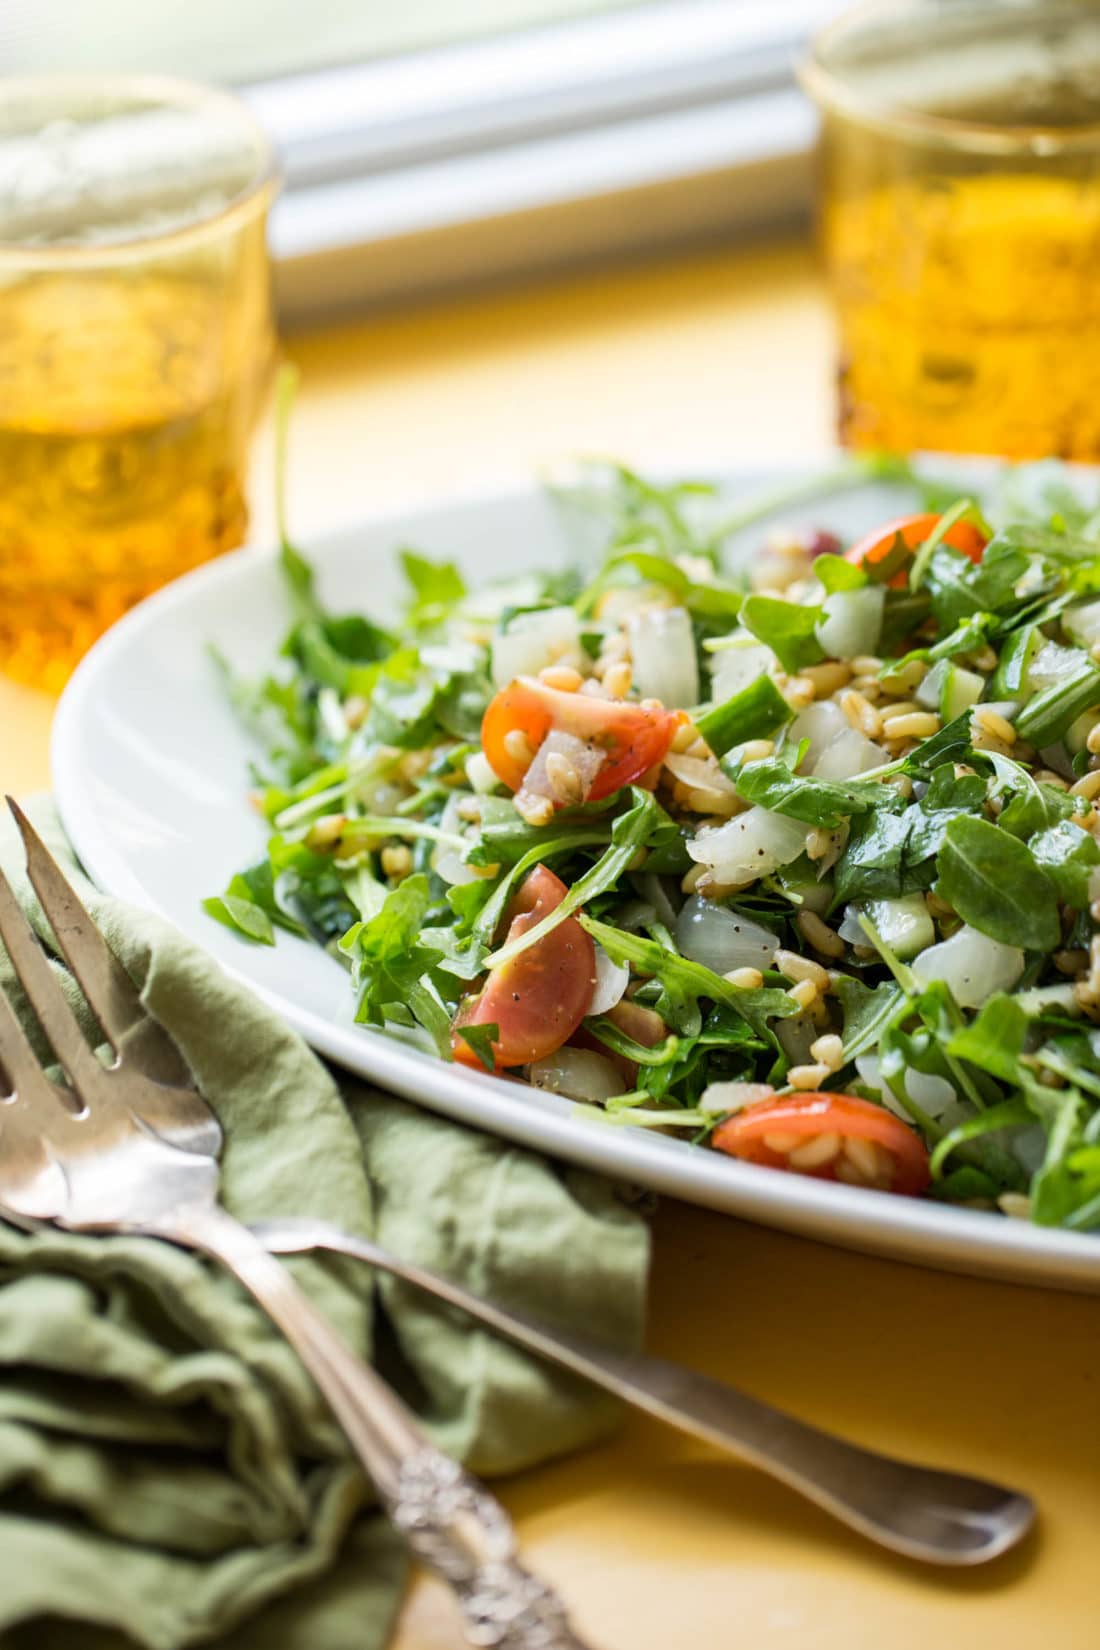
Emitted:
pixel 450 1521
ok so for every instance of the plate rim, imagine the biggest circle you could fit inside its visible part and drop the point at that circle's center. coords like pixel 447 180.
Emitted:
pixel 950 1238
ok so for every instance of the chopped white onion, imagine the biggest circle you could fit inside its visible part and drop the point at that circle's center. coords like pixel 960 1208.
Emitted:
pixel 532 641
pixel 739 665
pixel 1057 758
pixel 931 1093
pixel 1083 622
pixel 720 939
pixel 850 754
pixel 852 622
pixel 662 651
pixel 1008 708
pixel 751 845
pixel 903 923
pixel 481 776
pixel 699 773
pixel 611 981
pixel 820 723
pixel 447 862
pixel 580 1073
pixel 815 896
pixel 971 965
pixel 586 761
pixel 1061 995
pixel 1051 663
pixel 720 1099
pixel 652 889
pixel 616 605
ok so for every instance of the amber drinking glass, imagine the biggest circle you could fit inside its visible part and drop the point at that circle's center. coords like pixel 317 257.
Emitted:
pixel 960 214
pixel 136 342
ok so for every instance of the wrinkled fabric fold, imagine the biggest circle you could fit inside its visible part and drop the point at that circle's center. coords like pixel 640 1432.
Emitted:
pixel 169 1475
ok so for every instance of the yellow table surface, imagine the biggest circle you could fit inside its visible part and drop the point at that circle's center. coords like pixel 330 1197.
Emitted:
pixel 658 1542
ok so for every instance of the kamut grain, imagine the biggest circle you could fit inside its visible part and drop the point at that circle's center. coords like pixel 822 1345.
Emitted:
pixel 795 967
pixel 804 993
pixel 807 1077
pixel 992 722
pixel 919 725
pixel 819 934
pixel 829 1051
pixel 562 677
pixel 861 713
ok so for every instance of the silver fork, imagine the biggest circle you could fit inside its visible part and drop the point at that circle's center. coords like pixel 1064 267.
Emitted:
pixel 147 1145
pixel 133 1147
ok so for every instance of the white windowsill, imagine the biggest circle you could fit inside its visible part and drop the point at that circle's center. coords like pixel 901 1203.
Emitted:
pixel 678 121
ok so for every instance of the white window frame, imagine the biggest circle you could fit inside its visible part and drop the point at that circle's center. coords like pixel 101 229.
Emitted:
pixel 651 125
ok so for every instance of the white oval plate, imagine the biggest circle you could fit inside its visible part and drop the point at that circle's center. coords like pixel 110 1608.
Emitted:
pixel 150 766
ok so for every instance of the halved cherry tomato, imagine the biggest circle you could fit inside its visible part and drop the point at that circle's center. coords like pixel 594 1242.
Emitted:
pixel 631 737
pixel 771 1130
pixel 963 535
pixel 539 998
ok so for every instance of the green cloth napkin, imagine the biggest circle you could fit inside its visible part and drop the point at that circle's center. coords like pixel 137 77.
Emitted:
pixel 169 1475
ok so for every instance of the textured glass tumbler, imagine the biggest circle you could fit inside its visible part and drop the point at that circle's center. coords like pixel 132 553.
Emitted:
pixel 136 342
pixel 960 215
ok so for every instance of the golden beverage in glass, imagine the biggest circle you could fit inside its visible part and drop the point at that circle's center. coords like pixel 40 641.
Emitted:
pixel 136 342
pixel 960 215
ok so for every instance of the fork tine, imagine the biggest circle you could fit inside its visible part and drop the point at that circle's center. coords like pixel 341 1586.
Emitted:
pixel 108 988
pixel 18 1061
pixel 46 997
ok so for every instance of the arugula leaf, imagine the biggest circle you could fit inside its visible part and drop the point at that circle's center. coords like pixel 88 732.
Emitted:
pixel 834 573
pixel 437 586
pixel 1006 1114
pixel 890 854
pixel 950 744
pixel 965 794
pixel 237 910
pixel 756 712
pixel 684 982
pixel 994 1040
pixel 405 701
pixel 823 802
pixel 867 1011
pixel 628 833
pixel 1034 810
pixel 389 962
pixel 705 598
pixel 481 1039
pixel 280 715
pixel 993 882
pixel 786 627
pixel 337 651
pixel 308 890
pixel 1068 854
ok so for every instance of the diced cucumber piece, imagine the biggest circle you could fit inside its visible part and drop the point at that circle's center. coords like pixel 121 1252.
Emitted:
pixel 904 924
pixel 1009 680
pixel 1083 622
pixel 950 689
pixel 929 691
pixel 1045 718
pixel 961 689
pixel 799 882
pixel 1076 734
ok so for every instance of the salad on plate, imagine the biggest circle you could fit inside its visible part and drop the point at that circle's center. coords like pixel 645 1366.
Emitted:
pixel 799 863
